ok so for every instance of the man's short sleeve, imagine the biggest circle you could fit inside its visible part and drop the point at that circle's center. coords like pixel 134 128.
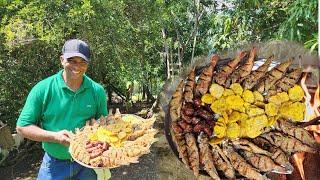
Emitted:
pixel 31 112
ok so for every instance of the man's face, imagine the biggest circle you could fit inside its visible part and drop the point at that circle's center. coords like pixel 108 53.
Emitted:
pixel 74 67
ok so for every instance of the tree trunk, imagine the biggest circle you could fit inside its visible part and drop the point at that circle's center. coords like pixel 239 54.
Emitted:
pixel 165 54
pixel 196 26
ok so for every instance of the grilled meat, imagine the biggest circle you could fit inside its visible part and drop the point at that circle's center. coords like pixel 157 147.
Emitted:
pixel 249 146
pixel 240 164
pixel 189 87
pixel 193 153
pixel 181 145
pixel 206 77
pixel 244 70
pixel 273 76
pixel 287 143
pixel 206 156
pixel 288 81
pixel 176 102
pixel 277 156
pixel 299 133
pixel 228 69
pixel 264 163
pixel 253 78
pixel 222 163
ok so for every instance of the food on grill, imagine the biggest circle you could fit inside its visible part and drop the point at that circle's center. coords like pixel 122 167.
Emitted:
pixel 240 164
pixel 301 134
pixel 176 102
pixel 296 93
pixel 226 70
pixel 244 70
pixel 273 76
pixel 262 162
pixel 193 153
pixel 221 162
pixel 189 87
pixel 287 143
pixel 254 77
pixel 234 122
pixel 117 141
pixel 277 155
pixel 288 81
pixel 206 77
pixel 206 157
pixel 182 148
pixel 249 146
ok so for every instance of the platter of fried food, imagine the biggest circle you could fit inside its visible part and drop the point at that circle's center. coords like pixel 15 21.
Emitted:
pixel 236 122
pixel 117 140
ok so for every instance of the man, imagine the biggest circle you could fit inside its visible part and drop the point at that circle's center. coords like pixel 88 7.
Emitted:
pixel 60 104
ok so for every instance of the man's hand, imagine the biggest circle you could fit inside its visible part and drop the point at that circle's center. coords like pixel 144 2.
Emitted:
pixel 35 133
pixel 63 137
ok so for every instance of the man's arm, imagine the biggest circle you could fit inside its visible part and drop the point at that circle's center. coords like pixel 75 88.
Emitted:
pixel 31 114
pixel 35 133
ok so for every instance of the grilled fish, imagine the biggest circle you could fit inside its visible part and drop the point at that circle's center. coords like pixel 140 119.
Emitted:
pixel 205 78
pixel 288 81
pixel 277 156
pixel 222 163
pixel 273 76
pixel 176 102
pixel 193 153
pixel 287 143
pixel 189 87
pixel 249 146
pixel 240 164
pixel 206 157
pixel 228 69
pixel 181 145
pixel 253 78
pixel 244 70
pixel 299 133
pixel 264 163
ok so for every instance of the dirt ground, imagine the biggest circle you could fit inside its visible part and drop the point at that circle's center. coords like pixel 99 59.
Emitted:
pixel 24 164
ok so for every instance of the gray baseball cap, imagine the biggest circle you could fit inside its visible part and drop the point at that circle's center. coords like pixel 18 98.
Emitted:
pixel 76 47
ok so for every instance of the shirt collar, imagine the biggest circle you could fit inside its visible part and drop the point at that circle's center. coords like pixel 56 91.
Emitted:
pixel 85 83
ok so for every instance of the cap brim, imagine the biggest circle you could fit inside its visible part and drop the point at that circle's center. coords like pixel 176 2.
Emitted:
pixel 70 55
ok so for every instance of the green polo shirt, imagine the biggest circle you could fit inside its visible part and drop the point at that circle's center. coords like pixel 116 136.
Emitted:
pixel 53 105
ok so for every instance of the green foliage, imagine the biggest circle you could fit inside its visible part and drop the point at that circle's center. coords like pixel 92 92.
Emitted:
pixel 301 21
pixel 241 21
pixel 313 43
pixel 123 36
